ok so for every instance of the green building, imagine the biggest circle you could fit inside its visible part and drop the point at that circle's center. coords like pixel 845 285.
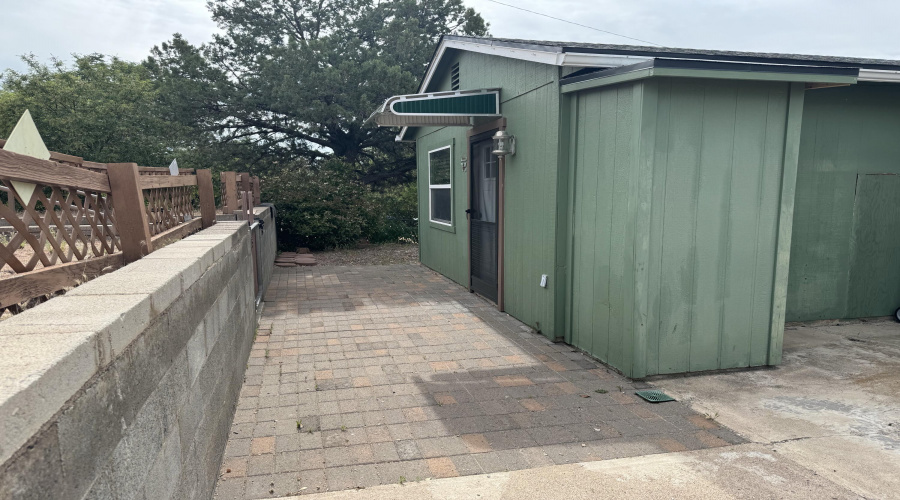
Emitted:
pixel 664 210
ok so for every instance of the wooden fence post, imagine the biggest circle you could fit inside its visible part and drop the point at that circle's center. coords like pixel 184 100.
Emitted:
pixel 248 201
pixel 257 196
pixel 246 188
pixel 207 198
pixel 229 192
pixel 131 213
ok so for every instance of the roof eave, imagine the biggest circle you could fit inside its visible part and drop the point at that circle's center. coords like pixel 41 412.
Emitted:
pixel 581 56
pixel 665 67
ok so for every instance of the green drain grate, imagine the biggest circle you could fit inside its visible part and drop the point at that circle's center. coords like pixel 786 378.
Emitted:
pixel 654 396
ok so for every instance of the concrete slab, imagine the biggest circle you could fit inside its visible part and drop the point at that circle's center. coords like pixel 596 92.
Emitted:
pixel 747 471
pixel 831 406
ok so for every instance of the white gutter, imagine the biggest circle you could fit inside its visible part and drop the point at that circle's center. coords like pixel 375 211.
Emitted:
pixel 599 60
pixel 878 75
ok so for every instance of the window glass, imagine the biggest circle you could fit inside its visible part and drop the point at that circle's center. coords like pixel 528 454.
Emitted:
pixel 440 205
pixel 439 185
pixel 439 162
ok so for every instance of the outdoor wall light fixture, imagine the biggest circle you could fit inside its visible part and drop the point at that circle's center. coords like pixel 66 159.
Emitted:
pixel 504 144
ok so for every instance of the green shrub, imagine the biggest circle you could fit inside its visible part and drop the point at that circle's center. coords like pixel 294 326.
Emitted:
pixel 328 207
pixel 393 214
pixel 317 207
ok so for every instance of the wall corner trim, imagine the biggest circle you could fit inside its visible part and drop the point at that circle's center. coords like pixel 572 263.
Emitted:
pixel 785 221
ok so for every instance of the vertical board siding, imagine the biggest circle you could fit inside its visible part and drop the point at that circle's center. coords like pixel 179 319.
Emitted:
pixel 770 181
pixel 603 226
pixel 717 141
pixel 621 261
pixel 676 199
pixel 568 141
pixel 659 173
pixel 722 168
pixel 530 103
pixel 875 217
pixel 445 252
pixel 848 133
pixel 745 191
pixel 679 225
pixel 530 208
pixel 596 197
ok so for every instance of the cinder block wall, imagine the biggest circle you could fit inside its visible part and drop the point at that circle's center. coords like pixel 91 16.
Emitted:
pixel 267 245
pixel 125 387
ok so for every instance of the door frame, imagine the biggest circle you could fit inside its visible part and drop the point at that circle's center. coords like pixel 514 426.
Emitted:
pixel 491 126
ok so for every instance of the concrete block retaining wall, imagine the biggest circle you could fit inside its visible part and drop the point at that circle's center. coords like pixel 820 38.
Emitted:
pixel 266 245
pixel 266 242
pixel 125 386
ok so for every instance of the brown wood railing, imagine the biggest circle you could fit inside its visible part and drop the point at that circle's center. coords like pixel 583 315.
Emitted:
pixel 87 218
pixel 236 186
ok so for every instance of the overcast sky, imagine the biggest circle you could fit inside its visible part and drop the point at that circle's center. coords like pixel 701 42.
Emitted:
pixel 129 28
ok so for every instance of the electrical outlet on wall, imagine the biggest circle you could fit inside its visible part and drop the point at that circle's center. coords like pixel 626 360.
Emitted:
pixel 543 281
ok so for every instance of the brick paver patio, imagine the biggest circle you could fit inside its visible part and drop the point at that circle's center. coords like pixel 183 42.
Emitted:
pixel 362 376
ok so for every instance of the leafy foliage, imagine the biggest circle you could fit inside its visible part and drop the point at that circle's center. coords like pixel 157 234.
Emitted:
pixel 282 92
pixel 297 78
pixel 327 207
pixel 393 214
pixel 103 109
pixel 317 208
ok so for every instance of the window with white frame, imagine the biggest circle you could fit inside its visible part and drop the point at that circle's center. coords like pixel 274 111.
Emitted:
pixel 439 185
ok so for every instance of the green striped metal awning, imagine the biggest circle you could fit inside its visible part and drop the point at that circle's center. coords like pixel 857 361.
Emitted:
pixel 440 109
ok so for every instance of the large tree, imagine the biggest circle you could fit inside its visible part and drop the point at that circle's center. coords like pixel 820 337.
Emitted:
pixel 297 78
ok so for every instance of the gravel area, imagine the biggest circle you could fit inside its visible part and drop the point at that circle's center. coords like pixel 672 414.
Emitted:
pixel 374 255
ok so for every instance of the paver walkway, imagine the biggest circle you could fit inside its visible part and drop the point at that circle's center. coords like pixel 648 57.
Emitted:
pixel 362 376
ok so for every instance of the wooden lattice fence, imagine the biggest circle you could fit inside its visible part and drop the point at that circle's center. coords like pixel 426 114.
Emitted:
pixel 86 218
pixel 236 187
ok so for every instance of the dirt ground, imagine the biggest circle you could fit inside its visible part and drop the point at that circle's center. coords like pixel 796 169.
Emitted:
pixel 373 255
pixel 24 254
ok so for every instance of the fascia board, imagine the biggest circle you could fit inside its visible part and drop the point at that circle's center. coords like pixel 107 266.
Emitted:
pixel 708 74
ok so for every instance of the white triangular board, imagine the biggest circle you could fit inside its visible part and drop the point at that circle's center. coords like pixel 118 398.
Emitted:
pixel 173 167
pixel 26 140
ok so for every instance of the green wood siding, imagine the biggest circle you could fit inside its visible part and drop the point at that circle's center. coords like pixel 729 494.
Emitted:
pixel 844 251
pixel 530 208
pixel 677 198
pixel 529 98
pixel 443 248
pixel 603 224
pixel 874 247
